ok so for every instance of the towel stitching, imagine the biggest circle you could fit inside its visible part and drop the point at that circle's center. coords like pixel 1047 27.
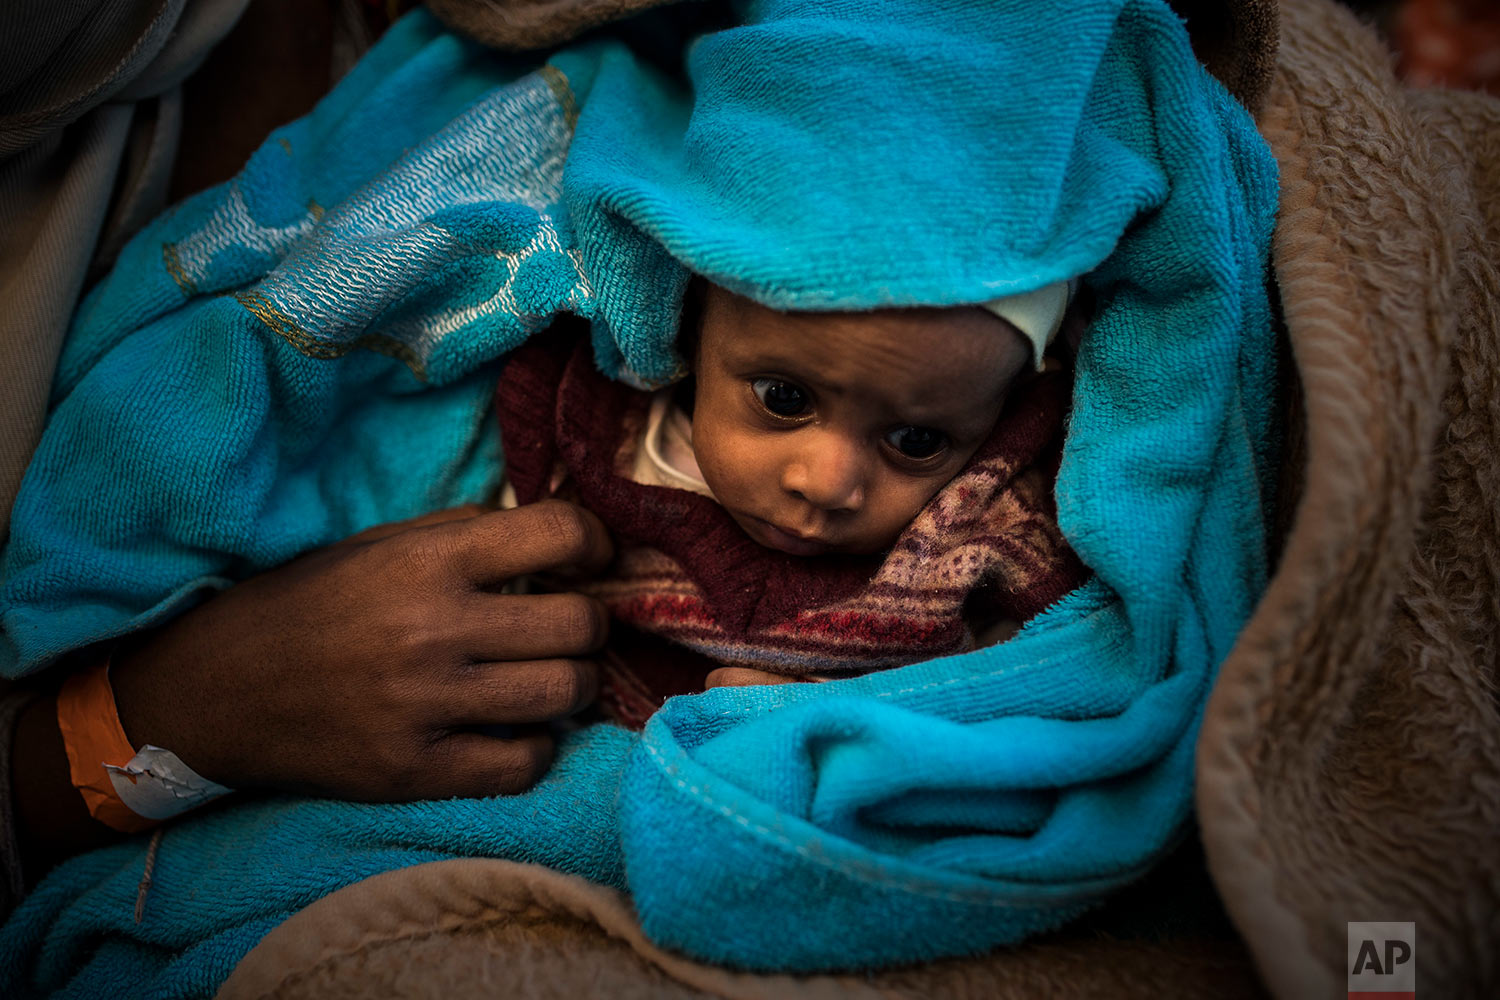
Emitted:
pixel 915 689
pixel 954 896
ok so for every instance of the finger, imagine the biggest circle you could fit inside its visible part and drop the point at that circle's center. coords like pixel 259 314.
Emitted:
pixel 529 691
pixel 379 531
pixel 539 537
pixel 533 626
pixel 742 677
pixel 470 765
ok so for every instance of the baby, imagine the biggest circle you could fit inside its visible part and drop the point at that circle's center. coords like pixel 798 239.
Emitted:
pixel 827 432
pixel 802 435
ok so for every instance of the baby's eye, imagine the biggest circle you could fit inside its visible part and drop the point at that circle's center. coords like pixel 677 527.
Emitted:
pixel 785 399
pixel 917 442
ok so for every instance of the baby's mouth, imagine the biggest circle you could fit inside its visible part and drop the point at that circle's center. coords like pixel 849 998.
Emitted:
pixel 782 540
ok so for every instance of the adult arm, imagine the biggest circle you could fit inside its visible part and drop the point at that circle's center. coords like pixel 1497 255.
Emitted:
pixel 371 670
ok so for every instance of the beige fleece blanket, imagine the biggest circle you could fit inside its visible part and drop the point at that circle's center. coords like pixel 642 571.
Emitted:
pixel 1349 764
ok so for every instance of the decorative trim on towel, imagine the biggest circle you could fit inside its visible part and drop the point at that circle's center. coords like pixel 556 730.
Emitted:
pixel 381 271
pixel 563 91
pixel 285 328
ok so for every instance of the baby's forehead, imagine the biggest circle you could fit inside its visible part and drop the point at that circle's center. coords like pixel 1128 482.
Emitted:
pixel 923 363
pixel 906 339
pixel 951 329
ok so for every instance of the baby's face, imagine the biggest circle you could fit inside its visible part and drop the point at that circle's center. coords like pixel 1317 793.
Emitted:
pixel 828 432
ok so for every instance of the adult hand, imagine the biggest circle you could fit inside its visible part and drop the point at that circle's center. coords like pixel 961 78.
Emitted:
pixel 368 670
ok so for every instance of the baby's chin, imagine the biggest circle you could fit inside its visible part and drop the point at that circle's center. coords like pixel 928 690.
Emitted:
pixel 780 539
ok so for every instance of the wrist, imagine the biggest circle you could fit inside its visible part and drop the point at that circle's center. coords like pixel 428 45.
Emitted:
pixel 127 787
pixel 151 708
pixel 139 712
pixel 52 821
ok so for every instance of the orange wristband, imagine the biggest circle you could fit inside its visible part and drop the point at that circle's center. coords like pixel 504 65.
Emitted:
pixel 93 737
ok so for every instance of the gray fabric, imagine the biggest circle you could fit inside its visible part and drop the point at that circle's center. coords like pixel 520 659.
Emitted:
pixel 89 115
pixel 53 197
pixel 12 875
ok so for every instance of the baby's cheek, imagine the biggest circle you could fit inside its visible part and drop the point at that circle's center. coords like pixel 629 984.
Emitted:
pixel 905 502
pixel 738 487
pixel 723 458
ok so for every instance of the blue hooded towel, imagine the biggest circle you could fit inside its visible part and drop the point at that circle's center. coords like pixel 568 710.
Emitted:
pixel 310 349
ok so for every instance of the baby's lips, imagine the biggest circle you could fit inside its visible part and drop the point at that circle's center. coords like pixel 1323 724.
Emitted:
pixel 773 537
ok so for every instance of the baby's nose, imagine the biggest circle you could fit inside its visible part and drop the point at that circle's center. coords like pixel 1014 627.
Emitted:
pixel 829 474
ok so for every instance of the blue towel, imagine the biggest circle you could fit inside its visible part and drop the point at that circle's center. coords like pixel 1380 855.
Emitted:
pixel 309 349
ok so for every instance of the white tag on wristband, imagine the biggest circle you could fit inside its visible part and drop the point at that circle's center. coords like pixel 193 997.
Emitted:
pixel 156 784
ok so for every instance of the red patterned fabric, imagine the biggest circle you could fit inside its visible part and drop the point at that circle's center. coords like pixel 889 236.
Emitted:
pixel 985 548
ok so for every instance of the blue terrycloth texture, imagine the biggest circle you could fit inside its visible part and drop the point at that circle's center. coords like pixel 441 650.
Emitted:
pixel 225 879
pixel 832 154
